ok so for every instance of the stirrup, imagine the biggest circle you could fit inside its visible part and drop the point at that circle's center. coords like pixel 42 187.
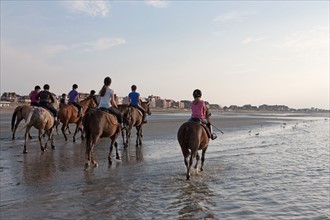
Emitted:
pixel 213 136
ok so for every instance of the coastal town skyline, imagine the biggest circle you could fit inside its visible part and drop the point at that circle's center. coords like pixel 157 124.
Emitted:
pixel 168 103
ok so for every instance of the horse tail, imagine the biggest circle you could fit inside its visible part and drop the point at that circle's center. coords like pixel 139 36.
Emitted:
pixel 13 118
pixel 28 120
pixel 186 136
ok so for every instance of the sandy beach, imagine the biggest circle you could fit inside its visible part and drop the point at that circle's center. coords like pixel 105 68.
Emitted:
pixel 147 183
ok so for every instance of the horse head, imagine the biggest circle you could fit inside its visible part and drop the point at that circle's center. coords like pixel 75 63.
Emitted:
pixel 146 106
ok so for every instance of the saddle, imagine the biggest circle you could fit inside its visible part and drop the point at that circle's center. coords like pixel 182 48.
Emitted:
pixel 205 126
pixel 138 110
pixel 113 117
pixel 73 106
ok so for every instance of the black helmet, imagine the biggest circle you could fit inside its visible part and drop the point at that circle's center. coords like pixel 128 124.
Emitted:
pixel 92 92
pixel 74 86
pixel 46 87
pixel 133 87
pixel 197 93
pixel 37 87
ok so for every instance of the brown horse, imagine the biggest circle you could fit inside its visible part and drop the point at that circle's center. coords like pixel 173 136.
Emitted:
pixel 42 120
pixel 98 124
pixel 69 114
pixel 192 137
pixel 20 113
pixel 133 118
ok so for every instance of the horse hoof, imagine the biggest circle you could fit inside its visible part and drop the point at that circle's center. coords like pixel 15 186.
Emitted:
pixel 53 147
pixel 86 166
pixel 24 151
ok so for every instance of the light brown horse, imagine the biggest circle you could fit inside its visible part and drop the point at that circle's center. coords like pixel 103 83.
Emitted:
pixel 98 124
pixel 42 120
pixel 20 113
pixel 192 137
pixel 69 114
pixel 132 117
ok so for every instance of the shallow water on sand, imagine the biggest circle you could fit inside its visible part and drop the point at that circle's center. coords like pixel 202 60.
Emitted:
pixel 268 171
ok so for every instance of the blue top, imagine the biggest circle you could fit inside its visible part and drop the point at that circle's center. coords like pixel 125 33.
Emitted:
pixel 73 95
pixel 134 96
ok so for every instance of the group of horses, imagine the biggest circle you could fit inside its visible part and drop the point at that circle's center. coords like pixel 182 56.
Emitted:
pixel 95 124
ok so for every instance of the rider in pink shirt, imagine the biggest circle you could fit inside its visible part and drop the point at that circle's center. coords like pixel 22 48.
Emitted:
pixel 33 96
pixel 200 111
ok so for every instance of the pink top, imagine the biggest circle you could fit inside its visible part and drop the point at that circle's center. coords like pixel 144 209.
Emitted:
pixel 198 110
pixel 33 96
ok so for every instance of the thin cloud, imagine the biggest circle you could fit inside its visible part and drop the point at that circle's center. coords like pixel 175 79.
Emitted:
pixel 316 39
pixel 89 7
pixel 52 50
pixel 156 3
pixel 233 16
pixel 252 40
pixel 103 44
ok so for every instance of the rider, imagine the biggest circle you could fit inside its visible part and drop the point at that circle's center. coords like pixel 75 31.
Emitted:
pixel 134 98
pixel 63 99
pixel 73 98
pixel 46 100
pixel 107 101
pixel 200 111
pixel 33 96
pixel 92 95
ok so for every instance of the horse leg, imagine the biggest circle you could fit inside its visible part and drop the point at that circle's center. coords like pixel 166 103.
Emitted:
pixel 75 132
pixel 128 135
pixel 64 125
pixel 138 138
pixel 140 135
pixel 192 156
pixel 197 159
pixel 57 124
pixel 26 138
pixel 51 138
pixel 94 141
pixel 113 143
pixel 88 151
pixel 40 136
pixel 82 133
pixel 203 158
pixel 123 136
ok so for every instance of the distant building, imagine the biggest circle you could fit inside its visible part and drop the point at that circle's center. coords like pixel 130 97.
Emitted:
pixel 9 96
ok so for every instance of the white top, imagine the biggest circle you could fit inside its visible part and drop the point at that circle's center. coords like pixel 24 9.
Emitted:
pixel 105 101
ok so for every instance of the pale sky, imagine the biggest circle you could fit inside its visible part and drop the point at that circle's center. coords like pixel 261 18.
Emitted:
pixel 236 52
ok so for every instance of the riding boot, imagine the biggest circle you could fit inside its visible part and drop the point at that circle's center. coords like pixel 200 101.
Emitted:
pixel 144 120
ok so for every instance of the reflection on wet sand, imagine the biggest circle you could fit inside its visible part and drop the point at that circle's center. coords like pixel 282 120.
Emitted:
pixel 39 167
pixel 195 200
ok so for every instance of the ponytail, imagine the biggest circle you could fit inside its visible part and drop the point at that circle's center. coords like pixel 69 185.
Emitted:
pixel 102 91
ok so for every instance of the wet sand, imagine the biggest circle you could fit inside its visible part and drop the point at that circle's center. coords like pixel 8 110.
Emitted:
pixel 53 184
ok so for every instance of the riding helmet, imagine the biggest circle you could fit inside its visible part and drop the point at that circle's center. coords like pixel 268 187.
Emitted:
pixel 75 86
pixel 197 93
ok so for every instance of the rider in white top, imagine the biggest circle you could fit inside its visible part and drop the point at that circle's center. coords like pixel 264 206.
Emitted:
pixel 106 100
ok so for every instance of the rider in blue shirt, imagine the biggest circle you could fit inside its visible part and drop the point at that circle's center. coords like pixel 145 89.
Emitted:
pixel 134 98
